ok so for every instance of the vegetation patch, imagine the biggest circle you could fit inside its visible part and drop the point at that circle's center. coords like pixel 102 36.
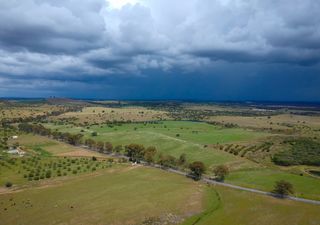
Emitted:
pixel 300 152
pixel 24 170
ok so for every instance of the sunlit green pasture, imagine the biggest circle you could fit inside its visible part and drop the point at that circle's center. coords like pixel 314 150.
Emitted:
pixel 172 137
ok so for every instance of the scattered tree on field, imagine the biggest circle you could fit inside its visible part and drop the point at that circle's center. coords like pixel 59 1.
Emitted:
pixel 108 147
pixel 8 184
pixel 149 154
pixel 283 188
pixel 100 146
pixel 197 169
pixel 167 161
pixel 134 152
pixel 221 172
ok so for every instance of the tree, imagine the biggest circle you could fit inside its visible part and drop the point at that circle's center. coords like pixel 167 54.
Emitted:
pixel 167 161
pixel 118 149
pixel 72 139
pixel 221 172
pixel 197 169
pixel 90 143
pixel 100 146
pixel 8 184
pixel 283 188
pixel 108 146
pixel 149 154
pixel 135 152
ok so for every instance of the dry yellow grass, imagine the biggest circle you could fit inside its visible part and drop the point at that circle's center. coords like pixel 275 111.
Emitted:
pixel 26 111
pixel 103 114
pixel 275 122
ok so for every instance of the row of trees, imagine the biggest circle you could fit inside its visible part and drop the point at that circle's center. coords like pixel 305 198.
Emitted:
pixel 197 168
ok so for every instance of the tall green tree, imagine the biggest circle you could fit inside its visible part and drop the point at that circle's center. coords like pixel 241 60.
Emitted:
pixel 135 152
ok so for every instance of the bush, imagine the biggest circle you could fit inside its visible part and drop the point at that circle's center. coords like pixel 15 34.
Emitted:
pixel 48 174
pixel 8 184
pixel 221 172
pixel 283 188
pixel 197 169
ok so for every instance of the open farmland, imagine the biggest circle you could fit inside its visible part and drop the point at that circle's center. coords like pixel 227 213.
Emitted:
pixel 264 179
pixel 26 111
pixel 172 137
pixel 194 139
pixel 63 174
pixel 276 122
pixel 225 206
pixel 36 143
pixel 122 195
pixel 91 115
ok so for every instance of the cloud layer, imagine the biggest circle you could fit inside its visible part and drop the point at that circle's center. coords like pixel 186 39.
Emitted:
pixel 50 45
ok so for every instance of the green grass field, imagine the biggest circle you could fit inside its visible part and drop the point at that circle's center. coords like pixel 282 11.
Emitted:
pixel 225 206
pixel 195 132
pixel 305 186
pixel 192 137
pixel 130 195
pixel 48 147
pixel 119 195
pixel 174 138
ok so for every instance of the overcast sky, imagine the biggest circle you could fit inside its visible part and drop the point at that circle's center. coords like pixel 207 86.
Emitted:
pixel 161 49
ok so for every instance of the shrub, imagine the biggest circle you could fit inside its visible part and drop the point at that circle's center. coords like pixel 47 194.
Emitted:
pixel 48 174
pixel 221 172
pixel 283 188
pixel 197 169
pixel 8 184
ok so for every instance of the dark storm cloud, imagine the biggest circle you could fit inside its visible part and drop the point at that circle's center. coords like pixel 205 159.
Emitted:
pixel 50 45
pixel 51 26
